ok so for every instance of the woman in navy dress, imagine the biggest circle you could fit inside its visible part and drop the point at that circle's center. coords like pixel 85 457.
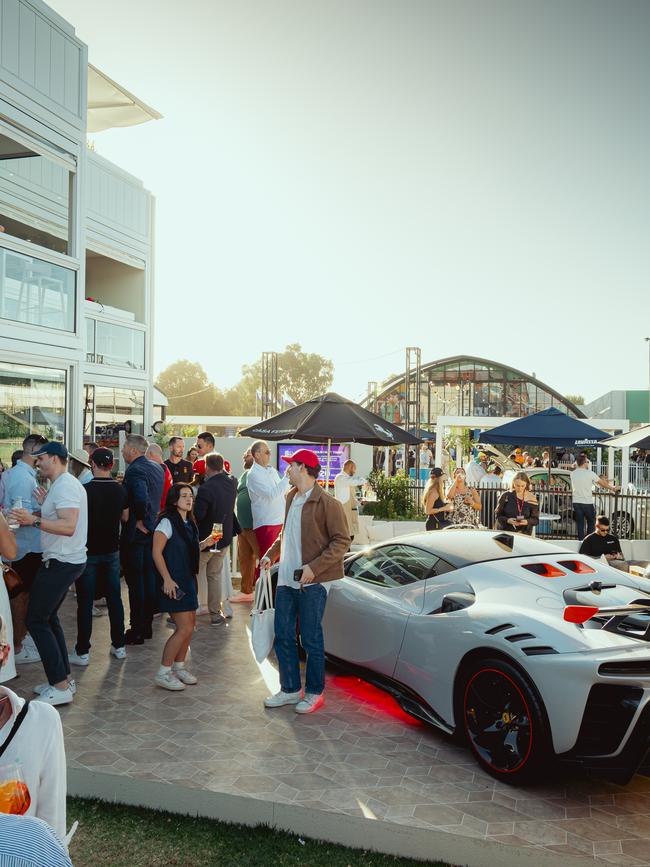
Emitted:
pixel 176 549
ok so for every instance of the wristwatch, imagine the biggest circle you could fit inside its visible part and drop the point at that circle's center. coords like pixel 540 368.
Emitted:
pixel 37 522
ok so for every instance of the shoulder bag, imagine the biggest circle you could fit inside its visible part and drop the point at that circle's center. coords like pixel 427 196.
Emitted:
pixel 263 617
pixel 13 581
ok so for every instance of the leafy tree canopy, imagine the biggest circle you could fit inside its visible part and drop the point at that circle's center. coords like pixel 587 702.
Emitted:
pixel 576 399
pixel 189 391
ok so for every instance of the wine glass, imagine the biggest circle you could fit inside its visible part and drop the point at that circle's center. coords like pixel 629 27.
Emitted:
pixel 217 533
pixel 14 794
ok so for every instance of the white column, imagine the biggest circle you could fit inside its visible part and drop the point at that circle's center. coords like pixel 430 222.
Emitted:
pixel 440 433
pixel 611 453
pixel 599 460
pixel 625 468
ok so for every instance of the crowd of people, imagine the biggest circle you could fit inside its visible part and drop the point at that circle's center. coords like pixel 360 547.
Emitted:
pixel 167 527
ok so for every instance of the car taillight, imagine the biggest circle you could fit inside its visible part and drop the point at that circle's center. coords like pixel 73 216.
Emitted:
pixel 546 570
pixel 577 566
pixel 579 613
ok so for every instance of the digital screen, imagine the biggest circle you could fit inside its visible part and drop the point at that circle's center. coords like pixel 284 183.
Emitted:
pixel 339 454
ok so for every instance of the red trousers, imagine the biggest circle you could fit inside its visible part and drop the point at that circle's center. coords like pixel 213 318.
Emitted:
pixel 266 536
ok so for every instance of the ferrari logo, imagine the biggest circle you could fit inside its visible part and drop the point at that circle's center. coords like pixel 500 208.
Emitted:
pixel 506 717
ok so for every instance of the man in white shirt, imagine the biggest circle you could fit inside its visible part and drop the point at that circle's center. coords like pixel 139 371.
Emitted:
pixel 426 457
pixel 267 491
pixel 583 480
pixel 475 470
pixel 64 527
pixel 344 484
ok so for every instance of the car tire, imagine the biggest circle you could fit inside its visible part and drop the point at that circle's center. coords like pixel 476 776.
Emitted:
pixel 504 721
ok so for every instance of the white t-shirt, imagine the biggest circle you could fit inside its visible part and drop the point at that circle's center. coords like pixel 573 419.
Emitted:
pixel 165 527
pixel 38 751
pixel 490 481
pixel 66 492
pixel 582 484
pixel 425 458
pixel 343 484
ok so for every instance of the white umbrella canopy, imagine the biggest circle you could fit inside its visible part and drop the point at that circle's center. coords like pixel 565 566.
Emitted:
pixel 639 438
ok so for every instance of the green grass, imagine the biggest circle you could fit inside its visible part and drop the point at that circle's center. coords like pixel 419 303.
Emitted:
pixel 121 836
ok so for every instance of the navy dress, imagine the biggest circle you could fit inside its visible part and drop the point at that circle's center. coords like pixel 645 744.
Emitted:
pixel 181 555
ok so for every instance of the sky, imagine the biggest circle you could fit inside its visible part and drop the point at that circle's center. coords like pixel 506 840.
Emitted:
pixel 360 176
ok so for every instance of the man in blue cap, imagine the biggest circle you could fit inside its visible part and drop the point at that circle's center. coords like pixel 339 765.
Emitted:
pixel 63 523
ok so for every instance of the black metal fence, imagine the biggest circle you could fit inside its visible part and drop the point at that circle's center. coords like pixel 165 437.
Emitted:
pixel 629 514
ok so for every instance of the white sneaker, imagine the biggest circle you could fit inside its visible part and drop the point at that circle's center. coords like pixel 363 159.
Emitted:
pixel 43 686
pixel 97 612
pixel 310 703
pixel 185 676
pixel 282 698
pixel 29 641
pixel 27 654
pixel 168 681
pixel 118 652
pixel 55 696
pixel 78 658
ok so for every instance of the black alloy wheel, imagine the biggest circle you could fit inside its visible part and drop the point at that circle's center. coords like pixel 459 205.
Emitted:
pixel 504 721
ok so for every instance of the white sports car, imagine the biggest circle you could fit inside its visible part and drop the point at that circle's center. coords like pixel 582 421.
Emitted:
pixel 531 652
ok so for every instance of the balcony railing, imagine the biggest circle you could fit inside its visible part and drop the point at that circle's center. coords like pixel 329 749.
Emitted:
pixel 115 345
pixel 36 292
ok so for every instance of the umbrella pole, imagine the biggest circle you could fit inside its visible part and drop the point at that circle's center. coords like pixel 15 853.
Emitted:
pixel 327 475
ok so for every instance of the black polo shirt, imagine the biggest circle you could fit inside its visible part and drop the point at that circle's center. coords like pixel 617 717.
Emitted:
pixel 181 472
pixel 107 499
pixel 595 546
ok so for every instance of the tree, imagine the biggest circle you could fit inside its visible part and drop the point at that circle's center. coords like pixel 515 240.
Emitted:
pixel 189 391
pixel 301 376
pixel 576 399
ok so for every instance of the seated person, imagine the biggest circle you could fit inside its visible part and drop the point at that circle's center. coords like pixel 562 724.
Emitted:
pixel 36 749
pixel 601 543
pixel 26 841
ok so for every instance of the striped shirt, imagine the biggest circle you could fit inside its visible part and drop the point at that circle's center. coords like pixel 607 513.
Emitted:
pixel 26 841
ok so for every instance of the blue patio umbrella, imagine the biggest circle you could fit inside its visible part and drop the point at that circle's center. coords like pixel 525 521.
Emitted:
pixel 550 427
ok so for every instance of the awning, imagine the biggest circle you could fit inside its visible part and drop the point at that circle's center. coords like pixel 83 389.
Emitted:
pixel 639 437
pixel 110 105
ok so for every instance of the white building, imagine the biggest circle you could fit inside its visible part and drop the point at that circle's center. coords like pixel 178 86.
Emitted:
pixel 74 226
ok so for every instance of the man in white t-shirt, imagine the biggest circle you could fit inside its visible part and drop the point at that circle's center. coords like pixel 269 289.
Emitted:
pixel 267 491
pixel 476 469
pixel 344 484
pixel 583 480
pixel 64 526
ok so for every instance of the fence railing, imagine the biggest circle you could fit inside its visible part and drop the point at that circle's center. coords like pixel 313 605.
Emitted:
pixel 629 514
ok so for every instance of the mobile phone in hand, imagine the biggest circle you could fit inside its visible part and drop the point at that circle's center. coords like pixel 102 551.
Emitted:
pixel 297 575
pixel 180 594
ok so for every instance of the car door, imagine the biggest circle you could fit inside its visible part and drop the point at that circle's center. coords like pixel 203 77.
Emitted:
pixel 367 611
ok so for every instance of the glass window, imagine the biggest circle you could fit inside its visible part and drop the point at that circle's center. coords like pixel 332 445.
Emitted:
pixel 119 346
pixel 393 566
pixel 90 339
pixel 115 406
pixel 32 400
pixel 36 292
pixel 34 196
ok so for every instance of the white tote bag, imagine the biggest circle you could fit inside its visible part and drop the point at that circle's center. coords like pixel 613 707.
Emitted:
pixel 263 617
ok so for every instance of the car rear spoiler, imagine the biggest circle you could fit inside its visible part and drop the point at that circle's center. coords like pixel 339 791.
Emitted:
pixel 616 613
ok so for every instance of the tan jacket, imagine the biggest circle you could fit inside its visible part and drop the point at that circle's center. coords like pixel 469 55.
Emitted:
pixel 324 535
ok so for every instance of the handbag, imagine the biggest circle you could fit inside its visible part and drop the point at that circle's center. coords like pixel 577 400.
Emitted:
pixel 262 617
pixel 13 581
pixel 440 519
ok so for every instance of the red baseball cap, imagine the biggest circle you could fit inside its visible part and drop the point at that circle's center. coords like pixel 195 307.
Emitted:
pixel 302 456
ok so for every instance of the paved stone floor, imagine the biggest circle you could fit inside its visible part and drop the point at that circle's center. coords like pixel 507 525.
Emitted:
pixel 359 755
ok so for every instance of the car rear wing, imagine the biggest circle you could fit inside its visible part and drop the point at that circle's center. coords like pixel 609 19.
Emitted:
pixel 617 618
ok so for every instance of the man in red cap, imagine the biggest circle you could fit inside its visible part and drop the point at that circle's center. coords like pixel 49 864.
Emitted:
pixel 312 545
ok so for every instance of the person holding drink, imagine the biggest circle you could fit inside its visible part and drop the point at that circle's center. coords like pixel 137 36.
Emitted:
pixel 436 508
pixel 518 510
pixel 465 501
pixel 176 550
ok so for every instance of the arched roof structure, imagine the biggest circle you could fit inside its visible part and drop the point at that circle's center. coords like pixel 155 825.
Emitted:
pixel 465 385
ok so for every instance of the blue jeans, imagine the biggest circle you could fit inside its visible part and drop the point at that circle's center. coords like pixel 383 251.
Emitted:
pixel 141 581
pixel 309 606
pixel 584 512
pixel 106 567
pixel 50 586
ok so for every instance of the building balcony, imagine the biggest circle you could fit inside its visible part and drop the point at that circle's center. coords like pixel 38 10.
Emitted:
pixel 36 292
pixel 113 344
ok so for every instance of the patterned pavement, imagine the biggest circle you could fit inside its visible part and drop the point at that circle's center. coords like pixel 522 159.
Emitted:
pixel 359 755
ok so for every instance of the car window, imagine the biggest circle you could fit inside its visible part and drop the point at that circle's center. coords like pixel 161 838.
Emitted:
pixel 393 566
pixel 558 481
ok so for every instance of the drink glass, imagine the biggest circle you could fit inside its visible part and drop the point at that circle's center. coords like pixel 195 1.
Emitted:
pixel 11 521
pixel 217 533
pixel 14 794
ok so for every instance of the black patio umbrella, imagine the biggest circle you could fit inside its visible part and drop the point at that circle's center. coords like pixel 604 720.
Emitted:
pixel 328 418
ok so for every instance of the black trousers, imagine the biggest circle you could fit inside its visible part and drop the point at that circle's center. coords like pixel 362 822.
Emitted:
pixel 140 579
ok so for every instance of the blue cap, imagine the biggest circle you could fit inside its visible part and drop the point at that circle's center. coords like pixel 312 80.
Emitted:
pixel 53 448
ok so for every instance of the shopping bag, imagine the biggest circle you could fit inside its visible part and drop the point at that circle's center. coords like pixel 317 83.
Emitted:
pixel 262 617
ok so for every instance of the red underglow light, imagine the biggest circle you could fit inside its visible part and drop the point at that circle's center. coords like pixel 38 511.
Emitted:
pixel 578 566
pixel 579 613
pixel 373 697
pixel 546 570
